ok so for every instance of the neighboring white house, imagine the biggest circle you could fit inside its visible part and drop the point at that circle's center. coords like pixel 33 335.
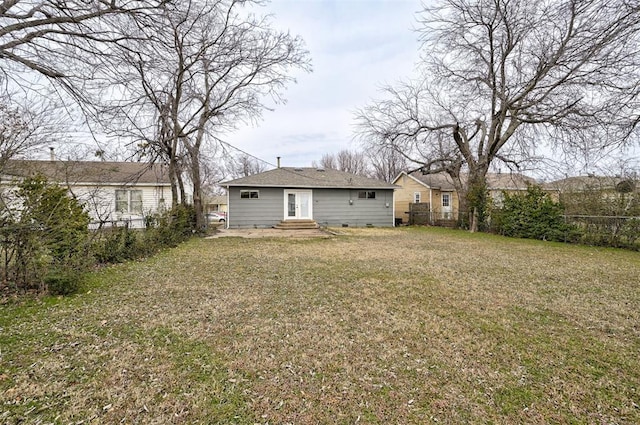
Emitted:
pixel 113 192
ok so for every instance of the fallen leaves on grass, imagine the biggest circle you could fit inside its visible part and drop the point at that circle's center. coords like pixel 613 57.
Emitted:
pixel 372 326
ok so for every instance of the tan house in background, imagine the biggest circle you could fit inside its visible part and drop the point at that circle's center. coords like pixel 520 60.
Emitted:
pixel 500 183
pixel 433 199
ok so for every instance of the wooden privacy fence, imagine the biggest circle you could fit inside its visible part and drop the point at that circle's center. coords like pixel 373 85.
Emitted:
pixel 419 213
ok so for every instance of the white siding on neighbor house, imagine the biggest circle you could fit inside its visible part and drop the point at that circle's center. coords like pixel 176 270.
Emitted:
pixel 101 203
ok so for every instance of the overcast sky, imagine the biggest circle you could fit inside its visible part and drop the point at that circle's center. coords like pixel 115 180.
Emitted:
pixel 356 46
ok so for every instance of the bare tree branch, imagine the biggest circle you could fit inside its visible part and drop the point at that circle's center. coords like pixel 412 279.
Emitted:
pixel 207 67
pixel 501 78
pixel 64 40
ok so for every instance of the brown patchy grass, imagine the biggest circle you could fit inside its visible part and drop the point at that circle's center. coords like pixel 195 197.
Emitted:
pixel 374 326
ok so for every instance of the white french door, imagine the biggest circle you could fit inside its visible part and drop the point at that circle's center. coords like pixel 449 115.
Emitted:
pixel 298 205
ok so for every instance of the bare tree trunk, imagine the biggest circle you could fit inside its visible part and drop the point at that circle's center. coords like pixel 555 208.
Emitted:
pixel 183 192
pixel 476 196
pixel 174 183
pixel 197 196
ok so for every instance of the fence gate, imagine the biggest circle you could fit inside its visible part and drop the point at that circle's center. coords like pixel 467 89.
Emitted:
pixel 419 213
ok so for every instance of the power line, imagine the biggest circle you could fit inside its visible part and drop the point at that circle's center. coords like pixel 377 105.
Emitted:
pixel 286 169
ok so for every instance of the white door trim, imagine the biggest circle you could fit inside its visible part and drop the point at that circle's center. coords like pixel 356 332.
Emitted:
pixel 448 208
pixel 303 204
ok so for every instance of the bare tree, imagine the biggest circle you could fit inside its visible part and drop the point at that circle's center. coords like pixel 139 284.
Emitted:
pixel 244 165
pixel 503 78
pixel 353 162
pixel 207 67
pixel 59 39
pixel 328 161
pixel 26 125
pixel 386 163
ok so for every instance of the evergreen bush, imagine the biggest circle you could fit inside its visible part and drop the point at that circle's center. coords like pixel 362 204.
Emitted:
pixel 62 283
pixel 46 232
pixel 117 244
pixel 532 215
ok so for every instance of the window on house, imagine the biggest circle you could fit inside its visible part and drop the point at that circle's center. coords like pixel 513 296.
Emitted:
pixel 446 200
pixel 129 201
pixel 498 199
pixel 416 197
pixel 366 195
pixel 249 194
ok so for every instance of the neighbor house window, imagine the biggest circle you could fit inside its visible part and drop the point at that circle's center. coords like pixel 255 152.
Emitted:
pixel 129 201
pixel 416 197
pixel 366 195
pixel 446 200
pixel 249 194
pixel 498 199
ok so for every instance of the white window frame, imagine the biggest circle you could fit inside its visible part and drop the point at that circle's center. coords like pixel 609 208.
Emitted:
pixel 129 195
pixel 417 197
pixel 446 196
pixel 498 199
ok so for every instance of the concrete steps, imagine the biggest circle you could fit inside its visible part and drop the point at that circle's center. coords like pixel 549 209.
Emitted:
pixel 296 225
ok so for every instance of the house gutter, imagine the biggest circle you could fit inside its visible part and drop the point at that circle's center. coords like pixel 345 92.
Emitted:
pixel 393 211
pixel 305 186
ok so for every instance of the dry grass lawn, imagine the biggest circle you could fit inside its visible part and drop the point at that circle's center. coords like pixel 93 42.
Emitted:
pixel 404 326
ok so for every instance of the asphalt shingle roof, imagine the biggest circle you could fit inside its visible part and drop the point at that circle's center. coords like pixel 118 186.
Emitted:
pixel 439 181
pixel 309 178
pixel 586 183
pixel 103 172
pixel 495 181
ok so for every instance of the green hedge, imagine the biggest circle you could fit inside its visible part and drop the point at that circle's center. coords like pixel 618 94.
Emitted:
pixel 46 246
pixel 533 215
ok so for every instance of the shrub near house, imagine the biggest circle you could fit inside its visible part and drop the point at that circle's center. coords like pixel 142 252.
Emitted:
pixel 46 245
pixel 44 238
pixel 532 215
pixel 605 209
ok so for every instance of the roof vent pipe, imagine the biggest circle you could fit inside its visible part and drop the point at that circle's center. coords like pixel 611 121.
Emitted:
pixel 278 158
pixel 52 155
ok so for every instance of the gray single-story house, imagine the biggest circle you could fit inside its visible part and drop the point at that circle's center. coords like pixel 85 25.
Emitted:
pixel 325 197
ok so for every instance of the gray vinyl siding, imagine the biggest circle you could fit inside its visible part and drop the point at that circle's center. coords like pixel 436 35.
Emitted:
pixel 331 208
pixel 266 211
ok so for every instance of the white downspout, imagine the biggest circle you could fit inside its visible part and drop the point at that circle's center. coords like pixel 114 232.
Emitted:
pixel 226 223
pixel 393 203
pixel 430 205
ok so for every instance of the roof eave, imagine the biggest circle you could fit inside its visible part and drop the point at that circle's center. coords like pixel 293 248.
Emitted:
pixel 285 186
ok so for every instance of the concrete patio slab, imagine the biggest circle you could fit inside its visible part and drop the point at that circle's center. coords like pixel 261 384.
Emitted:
pixel 270 233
